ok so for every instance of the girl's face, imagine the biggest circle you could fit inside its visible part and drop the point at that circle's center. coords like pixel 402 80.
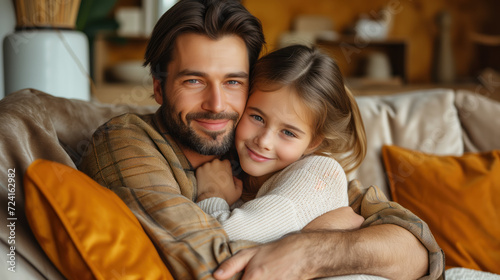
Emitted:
pixel 274 131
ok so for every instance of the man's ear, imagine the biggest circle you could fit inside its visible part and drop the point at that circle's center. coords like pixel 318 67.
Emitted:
pixel 314 145
pixel 158 91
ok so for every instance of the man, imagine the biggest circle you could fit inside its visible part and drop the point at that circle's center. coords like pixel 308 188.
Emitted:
pixel 201 54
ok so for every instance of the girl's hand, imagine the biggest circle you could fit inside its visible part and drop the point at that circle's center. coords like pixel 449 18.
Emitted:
pixel 215 179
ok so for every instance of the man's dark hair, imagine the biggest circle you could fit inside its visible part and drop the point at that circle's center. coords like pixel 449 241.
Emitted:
pixel 213 18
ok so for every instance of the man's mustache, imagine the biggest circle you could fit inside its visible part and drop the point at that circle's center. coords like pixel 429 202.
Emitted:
pixel 211 116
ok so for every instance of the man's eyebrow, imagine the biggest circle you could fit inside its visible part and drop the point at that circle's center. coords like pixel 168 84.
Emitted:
pixel 288 126
pixel 240 74
pixel 188 72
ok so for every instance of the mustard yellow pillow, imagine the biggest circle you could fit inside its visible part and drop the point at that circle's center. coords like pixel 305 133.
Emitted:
pixel 458 197
pixel 85 229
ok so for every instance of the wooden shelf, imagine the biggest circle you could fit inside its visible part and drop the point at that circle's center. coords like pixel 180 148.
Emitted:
pixel 141 95
pixel 352 52
pixel 110 49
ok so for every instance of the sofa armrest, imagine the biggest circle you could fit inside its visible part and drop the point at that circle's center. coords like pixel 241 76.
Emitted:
pixel 36 125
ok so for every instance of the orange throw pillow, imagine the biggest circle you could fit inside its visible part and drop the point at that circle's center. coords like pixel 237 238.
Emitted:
pixel 458 197
pixel 86 230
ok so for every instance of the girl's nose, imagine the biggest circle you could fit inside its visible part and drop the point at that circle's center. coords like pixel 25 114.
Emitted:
pixel 265 139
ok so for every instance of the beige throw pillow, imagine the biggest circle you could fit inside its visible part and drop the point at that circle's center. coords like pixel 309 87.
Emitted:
pixel 423 120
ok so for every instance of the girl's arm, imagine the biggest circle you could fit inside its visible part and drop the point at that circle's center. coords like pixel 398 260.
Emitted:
pixel 286 202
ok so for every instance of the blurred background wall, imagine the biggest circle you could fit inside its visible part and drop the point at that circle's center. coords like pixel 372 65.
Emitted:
pixel 414 21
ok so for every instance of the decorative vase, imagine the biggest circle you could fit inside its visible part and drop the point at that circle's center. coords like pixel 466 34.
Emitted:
pixel 444 71
pixel 51 60
pixel 46 52
pixel 7 25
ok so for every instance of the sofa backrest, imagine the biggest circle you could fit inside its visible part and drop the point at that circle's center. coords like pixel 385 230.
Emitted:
pixel 438 121
pixel 424 120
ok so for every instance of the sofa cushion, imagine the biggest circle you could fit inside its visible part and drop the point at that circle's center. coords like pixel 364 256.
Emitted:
pixel 478 114
pixel 457 197
pixel 85 229
pixel 424 120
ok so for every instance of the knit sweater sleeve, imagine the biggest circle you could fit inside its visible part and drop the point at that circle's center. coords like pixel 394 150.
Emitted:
pixel 286 202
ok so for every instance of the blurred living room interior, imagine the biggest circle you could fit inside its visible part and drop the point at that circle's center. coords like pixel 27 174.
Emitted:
pixel 425 74
pixel 382 46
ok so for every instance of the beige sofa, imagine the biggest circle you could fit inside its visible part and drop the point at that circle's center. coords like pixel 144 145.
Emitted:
pixel 37 125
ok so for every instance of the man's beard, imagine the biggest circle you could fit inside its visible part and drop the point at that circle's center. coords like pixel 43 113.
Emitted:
pixel 217 144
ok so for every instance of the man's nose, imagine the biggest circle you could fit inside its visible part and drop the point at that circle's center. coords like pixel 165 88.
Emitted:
pixel 264 139
pixel 215 99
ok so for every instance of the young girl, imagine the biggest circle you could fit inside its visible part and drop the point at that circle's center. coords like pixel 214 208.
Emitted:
pixel 300 130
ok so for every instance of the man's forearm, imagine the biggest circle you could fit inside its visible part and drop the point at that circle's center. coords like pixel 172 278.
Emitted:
pixel 385 250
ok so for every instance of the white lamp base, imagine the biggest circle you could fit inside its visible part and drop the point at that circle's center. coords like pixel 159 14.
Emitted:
pixel 53 61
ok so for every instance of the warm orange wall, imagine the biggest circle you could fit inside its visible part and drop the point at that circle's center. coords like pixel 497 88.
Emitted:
pixel 414 21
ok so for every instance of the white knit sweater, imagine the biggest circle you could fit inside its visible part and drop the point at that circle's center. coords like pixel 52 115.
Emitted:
pixel 286 202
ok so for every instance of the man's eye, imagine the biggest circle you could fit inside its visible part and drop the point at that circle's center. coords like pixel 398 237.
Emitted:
pixel 233 82
pixel 192 81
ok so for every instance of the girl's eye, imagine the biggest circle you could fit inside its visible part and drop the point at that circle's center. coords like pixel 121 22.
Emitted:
pixel 257 118
pixel 289 133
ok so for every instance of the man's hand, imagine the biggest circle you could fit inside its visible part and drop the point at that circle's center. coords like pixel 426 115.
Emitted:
pixel 215 179
pixel 283 259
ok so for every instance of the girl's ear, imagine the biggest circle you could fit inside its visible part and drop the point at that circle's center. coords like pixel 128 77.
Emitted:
pixel 158 92
pixel 314 145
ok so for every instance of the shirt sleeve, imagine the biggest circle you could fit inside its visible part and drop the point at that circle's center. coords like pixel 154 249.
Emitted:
pixel 286 202
pixel 372 204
